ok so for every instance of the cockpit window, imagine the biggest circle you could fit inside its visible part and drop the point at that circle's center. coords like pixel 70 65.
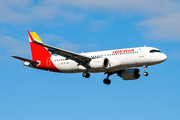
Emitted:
pixel 153 51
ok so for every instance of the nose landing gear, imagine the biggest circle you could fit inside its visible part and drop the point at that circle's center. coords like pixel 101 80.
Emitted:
pixel 145 73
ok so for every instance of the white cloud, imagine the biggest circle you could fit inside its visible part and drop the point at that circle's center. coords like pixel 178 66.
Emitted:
pixel 161 16
pixel 51 11
pixel 163 27
pixel 97 25
pixel 18 12
pixel 146 7
pixel 59 42
pixel 66 44
pixel 12 46
pixel 69 46
pixel 50 37
pixel 17 3
pixel 24 12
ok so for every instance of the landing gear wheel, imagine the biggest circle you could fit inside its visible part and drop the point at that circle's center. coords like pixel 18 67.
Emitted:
pixel 107 81
pixel 146 73
pixel 87 75
pixel 84 74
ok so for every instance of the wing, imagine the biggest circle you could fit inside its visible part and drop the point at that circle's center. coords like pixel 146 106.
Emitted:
pixel 80 59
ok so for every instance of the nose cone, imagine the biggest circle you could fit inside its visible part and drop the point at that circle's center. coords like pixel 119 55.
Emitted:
pixel 162 57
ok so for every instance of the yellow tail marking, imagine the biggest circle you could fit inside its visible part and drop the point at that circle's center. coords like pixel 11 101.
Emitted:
pixel 36 37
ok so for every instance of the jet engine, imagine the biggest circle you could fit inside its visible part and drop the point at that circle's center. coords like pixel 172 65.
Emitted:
pixel 129 74
pixel 99 63
pixel 114 63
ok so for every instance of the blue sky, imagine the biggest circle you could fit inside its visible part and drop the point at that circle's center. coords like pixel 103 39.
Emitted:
pixel 91 25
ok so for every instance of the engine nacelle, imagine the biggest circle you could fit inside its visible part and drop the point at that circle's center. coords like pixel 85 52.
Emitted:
pixel 129 74
pixel 114 63
pixel 28 64
pixel 99 63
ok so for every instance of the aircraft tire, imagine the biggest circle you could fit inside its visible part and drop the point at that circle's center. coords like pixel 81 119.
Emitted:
pixel 87 75
pixel 107 81
pixel 84 74
pixel 146 73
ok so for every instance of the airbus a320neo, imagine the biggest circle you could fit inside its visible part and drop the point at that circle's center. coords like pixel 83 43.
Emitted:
pixel 123 62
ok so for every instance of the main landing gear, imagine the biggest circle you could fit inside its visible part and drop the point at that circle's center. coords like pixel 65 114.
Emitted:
pixel 145 73
pixel 107 80
pixel 86 74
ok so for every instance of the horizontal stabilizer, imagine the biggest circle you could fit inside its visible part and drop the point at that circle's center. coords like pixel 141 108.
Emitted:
pixel 26 60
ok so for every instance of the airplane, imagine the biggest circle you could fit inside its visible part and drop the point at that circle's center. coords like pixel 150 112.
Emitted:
pixel 123 62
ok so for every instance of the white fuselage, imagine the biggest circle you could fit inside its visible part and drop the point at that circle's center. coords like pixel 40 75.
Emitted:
pixel 118 59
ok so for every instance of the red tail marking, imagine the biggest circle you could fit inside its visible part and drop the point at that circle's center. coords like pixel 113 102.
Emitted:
pixel 40 53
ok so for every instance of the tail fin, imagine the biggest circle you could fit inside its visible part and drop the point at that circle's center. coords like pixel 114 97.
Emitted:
pixel 39 53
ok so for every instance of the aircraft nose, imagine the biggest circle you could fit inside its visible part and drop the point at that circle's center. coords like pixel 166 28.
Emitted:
pixel 163 57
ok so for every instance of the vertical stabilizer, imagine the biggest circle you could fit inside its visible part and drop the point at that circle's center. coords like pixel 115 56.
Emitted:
pixel 40 53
